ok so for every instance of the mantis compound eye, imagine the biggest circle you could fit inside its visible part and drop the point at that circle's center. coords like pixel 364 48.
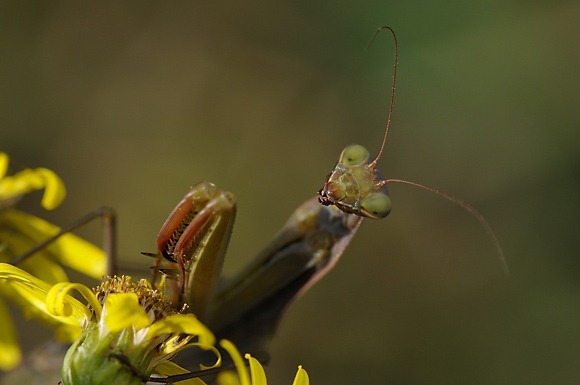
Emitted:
pixel 353 155
pixel 377 205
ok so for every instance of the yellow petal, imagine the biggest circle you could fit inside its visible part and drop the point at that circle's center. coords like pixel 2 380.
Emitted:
pixel 3 164
pixel 45 269
pixel 10 354
pixel 81 256
pixel 32 303
pixel 30 294
pixel 60 303
pixel 54 190
pixel 215 351
pixel 228 377
pixel 69 250
pixel 168 368
pixel 29 180
pixel 301 377
pixel 256 370
pixel 41 265
pixel 67 334
pixel 15 277
pixel 122 311
pixel 238 361
pixel 182 324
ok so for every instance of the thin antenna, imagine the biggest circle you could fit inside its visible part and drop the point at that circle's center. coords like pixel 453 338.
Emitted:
pixel 480 218
pixel 392 98
pixel 327 196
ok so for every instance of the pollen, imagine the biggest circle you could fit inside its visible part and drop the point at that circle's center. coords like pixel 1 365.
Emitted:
pixel 156 304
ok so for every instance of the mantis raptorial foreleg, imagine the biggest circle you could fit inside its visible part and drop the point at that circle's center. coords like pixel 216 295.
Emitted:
pixel 192 243
pixel 248 308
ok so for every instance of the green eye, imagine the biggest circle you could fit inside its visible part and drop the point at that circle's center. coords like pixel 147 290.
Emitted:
pixel 377 205
pixel 353 155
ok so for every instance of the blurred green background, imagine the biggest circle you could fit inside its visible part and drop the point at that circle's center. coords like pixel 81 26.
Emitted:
pixel 132 102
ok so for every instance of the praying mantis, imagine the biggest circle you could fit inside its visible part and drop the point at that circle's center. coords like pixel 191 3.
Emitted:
pixel 192 244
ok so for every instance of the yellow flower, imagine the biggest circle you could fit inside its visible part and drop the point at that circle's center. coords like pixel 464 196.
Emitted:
pixel 130 337
pixel 19 232
pixel 127 331
pixel 124 333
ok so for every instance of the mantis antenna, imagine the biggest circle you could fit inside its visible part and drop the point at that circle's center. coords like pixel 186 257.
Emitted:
pixel 355 185
pixel 392 97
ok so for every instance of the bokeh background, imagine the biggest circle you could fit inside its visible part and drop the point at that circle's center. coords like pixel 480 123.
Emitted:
pixel 132 102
